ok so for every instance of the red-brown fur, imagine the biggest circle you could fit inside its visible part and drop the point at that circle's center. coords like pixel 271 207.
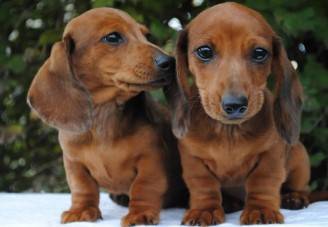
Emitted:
pixel 259 152
pixel 112 134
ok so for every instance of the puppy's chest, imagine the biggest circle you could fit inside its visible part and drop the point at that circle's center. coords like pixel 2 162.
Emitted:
pixel 231 163
pixel 111 167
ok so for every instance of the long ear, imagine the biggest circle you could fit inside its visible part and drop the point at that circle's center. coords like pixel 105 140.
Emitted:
pixel 177 92
pixel 56 95
pixel 288 95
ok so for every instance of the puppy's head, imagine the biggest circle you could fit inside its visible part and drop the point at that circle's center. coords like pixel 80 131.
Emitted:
pixel 230 51
pixel 104 56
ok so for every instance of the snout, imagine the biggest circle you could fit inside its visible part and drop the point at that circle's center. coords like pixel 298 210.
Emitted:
pixel 165 67
pixel 234 106
pixel 164 63
pixel 154 69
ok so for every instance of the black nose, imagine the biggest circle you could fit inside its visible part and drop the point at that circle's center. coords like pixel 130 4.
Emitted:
pixel 234 106
pixel 164 63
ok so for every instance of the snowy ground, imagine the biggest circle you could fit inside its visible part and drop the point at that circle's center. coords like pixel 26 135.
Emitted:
pixel 43 210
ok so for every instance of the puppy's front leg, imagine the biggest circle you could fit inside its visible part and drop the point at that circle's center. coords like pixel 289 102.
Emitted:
pixel 263 189
pixel 85 194
pixel 147 190
pixel 205 196
pixel 296 188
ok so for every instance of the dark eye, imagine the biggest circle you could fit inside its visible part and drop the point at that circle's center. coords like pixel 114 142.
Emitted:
pixel 113 38
pixel 205 53
pixel 259 55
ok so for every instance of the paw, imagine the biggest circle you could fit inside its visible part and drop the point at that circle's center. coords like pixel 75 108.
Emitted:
pixel 203 217
pixel 295 200
pixel 86 214
pixel 147 217
pixel 256 215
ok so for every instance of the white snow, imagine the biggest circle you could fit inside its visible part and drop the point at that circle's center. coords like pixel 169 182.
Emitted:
pixel 44 210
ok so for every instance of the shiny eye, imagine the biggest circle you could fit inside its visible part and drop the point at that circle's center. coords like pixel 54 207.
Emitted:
pixel 259 55
pixel 205 53
pixel 113 38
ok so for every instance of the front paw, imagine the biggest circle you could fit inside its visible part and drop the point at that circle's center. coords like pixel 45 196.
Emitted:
pixel 257 215
pixel 146 217
pixel 90 214
pixel 295 200
pixel 203 217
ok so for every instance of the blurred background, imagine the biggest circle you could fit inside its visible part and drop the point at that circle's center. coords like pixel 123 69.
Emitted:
pixel 30 157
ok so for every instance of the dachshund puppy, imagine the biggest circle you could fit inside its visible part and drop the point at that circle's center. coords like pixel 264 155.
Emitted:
pixel 233 131
pixel 92 89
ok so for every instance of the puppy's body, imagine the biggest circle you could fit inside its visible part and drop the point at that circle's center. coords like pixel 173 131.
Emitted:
pixel 233 131
pixel 92 88
pixel 118 138
pixel 223 146
pixel 226 149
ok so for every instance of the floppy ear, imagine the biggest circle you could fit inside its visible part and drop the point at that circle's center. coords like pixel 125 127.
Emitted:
pixel 56 95
pixel 288 95
pixel 177 92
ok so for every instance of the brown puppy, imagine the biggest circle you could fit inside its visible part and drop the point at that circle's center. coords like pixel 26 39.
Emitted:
pixel 112 134
pixel 233 131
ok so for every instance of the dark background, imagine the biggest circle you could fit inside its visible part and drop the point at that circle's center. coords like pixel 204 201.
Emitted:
pixel 30 157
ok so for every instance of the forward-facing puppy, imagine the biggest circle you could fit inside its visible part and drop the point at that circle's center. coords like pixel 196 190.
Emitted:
pixel 113 135
pixel 233 131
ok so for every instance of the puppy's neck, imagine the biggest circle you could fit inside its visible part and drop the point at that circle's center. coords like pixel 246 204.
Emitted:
pixel 113 119
pixel 105 118
pixel 111 94
pixel 110 121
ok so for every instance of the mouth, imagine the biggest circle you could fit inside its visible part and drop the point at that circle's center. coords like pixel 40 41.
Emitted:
pixel 160 82
pixel 232 120
pixel 152 84
pixel 234 116
pixel 225 119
